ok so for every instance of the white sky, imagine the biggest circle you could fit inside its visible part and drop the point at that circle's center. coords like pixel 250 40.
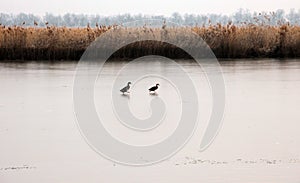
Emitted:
pixel 154 7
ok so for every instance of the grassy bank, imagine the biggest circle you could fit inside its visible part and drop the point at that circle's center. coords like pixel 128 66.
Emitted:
pixel 228 41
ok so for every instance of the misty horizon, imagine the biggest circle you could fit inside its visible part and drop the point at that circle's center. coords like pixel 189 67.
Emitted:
pixel 239 17
pixel 153 7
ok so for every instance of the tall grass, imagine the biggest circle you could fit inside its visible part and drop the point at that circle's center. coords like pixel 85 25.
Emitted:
pixel 252 41
pixel 226 41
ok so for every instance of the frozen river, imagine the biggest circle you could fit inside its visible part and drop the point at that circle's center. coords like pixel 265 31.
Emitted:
pixel 259 140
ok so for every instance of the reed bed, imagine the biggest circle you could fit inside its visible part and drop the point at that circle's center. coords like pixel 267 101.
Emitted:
pixel 226 41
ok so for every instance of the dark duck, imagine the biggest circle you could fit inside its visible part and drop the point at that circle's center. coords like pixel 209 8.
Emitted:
pixel 153 88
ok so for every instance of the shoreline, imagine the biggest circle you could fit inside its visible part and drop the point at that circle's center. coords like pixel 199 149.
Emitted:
pixel 226 42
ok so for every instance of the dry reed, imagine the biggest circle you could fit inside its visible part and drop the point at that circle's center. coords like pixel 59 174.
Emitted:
pixel 226 41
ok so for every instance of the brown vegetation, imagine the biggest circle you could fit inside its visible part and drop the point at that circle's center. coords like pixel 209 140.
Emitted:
pixel 226 41
pixel 252 41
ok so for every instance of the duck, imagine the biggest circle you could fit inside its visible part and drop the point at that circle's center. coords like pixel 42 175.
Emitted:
pixel 126 88
pixel 153 88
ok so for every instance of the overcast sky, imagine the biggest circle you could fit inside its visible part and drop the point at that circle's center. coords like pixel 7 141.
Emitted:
pixel 154 7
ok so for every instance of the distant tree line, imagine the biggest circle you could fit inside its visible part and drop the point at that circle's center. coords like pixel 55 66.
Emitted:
pixel 240 18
